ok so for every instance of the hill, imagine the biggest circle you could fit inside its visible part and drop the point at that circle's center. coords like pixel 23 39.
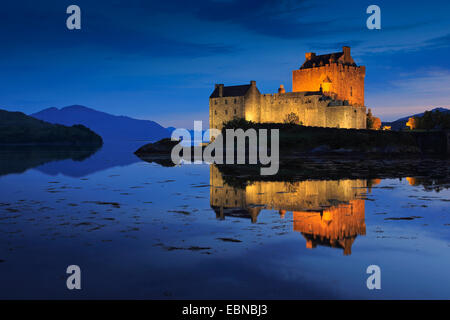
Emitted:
pixel 400 124
pixel 18 128
pixel 110 127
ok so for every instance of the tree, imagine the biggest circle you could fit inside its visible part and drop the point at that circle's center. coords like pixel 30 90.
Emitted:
pixel 372 122
pixel 430 120
pixel 292 118
pixel 412 123
pixel 427 121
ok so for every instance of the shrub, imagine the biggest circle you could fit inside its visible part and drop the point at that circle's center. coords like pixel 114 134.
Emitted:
pixel 238 123
pixel 292 118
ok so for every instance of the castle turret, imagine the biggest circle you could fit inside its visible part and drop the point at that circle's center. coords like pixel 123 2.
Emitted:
pixel 310 55
pixel 347 56
pixel 219 87
pixel 252 105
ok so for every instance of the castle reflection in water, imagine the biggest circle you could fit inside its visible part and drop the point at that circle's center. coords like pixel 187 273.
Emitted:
pixel 326 212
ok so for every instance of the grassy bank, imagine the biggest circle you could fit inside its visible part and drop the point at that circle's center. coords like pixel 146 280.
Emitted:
pixel 296 138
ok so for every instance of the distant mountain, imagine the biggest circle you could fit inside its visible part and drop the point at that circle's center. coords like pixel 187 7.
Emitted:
pixel 110 127
pixel 18 128
pixel 400 124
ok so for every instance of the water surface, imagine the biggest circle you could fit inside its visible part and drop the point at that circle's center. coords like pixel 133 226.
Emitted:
pixel 140 230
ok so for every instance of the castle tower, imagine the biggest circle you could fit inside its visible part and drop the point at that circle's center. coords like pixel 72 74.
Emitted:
pixel 335 74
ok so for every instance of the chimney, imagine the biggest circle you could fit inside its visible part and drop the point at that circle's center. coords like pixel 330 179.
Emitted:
pixel 346 51
pixel 220 87
pixel 253 83
pixel 309 55
pixel 281 89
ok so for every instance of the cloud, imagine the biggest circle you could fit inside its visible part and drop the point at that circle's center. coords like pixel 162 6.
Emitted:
pixel 439 42
pixel 276 18
pixel 285 19
pixel 129 30
pixel 409 45
pixel 425 83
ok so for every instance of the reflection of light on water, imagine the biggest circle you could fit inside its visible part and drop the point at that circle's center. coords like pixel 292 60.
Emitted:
pixel 326 212
pixel 412 181
pixel 336 226
pixel 150 221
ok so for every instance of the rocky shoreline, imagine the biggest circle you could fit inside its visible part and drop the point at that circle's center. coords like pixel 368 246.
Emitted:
pixel 378 162
pixel 338 167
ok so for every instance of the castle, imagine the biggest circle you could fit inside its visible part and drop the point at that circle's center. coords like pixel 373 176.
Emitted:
pixel 327 91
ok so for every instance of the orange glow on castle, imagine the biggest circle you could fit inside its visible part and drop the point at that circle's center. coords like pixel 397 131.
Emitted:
pixel 336 74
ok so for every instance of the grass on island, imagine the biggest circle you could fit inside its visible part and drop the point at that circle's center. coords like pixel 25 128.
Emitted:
pixel 301 138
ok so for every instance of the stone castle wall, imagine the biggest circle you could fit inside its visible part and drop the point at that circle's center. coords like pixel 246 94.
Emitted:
pixel 346 82
pixel 312 110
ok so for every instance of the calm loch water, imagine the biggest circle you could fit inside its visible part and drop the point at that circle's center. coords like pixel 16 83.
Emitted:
pixel 141 230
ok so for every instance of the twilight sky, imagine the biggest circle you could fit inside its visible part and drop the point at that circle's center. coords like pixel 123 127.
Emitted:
pixel 159 60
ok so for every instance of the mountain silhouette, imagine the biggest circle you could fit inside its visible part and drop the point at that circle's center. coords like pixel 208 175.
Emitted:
pixel 108 126
pixel 400 124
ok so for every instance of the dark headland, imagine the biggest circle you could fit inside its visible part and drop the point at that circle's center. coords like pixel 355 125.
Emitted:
pixel 17 128
pixel 297 140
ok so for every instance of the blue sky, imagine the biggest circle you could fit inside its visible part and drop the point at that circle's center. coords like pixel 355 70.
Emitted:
pixel 159 60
